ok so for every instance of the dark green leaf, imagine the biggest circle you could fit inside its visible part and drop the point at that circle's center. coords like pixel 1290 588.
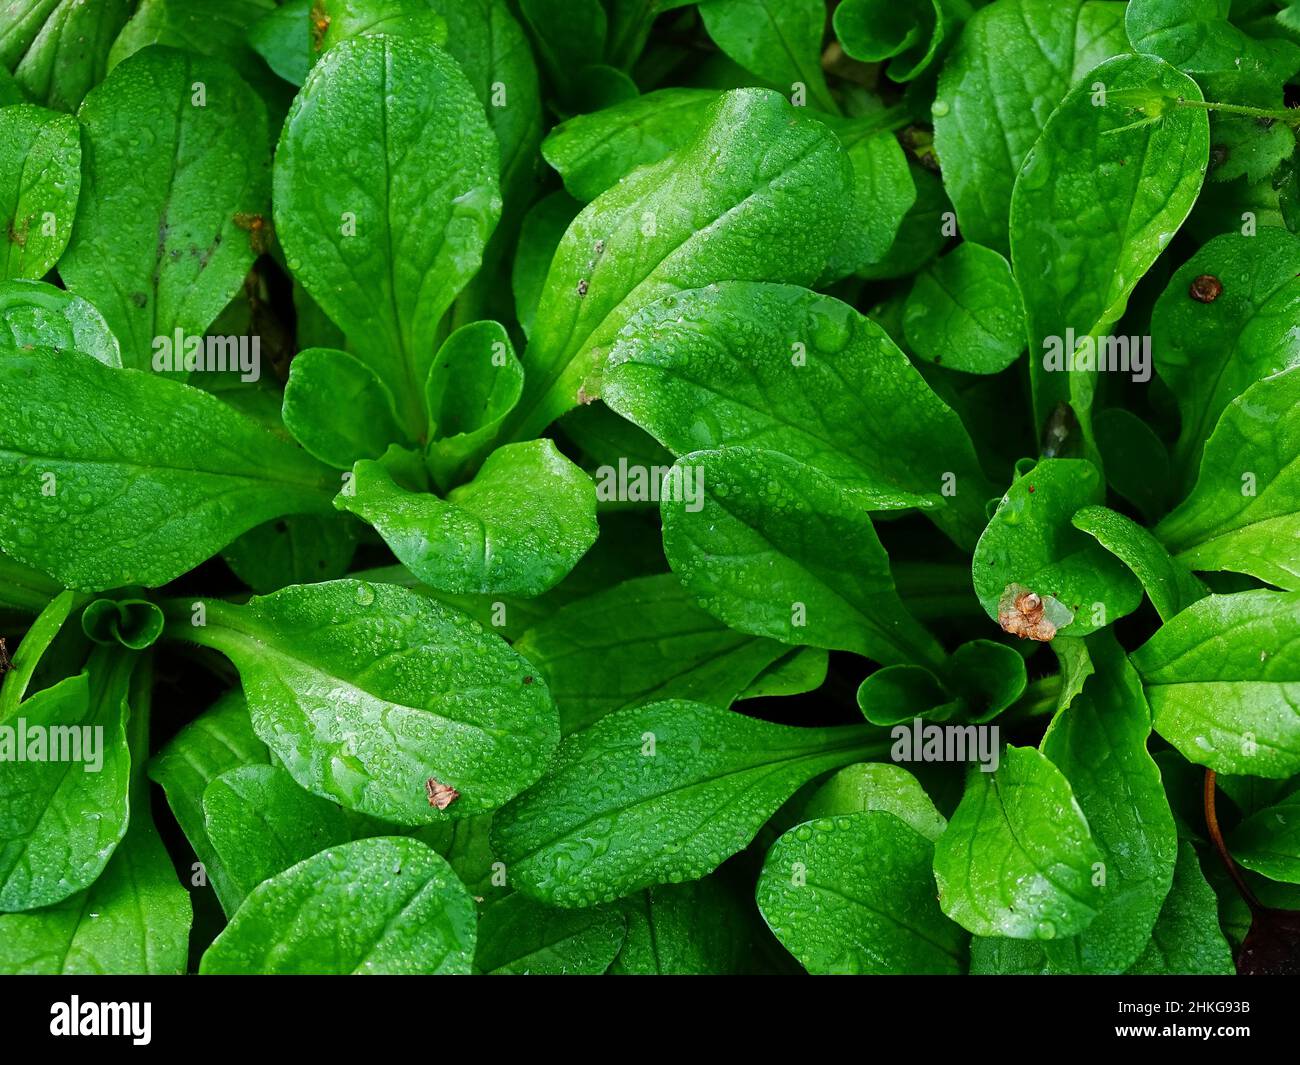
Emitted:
pixel 370 695
pixel 658 794
pixel 1018 858
pixel 418 918
pixel 180 477
pixel 854 895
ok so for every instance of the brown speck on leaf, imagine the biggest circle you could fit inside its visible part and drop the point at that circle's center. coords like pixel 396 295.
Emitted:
pixel 528 680
pixel 256 228
pixel 1205 289
pixel 440 795
pixel 320 22
pixel 1021 613
pixel 6 663
pixel 1031 489
pixel 582 287
pixel 18 237
pixel 585 397
pixel 600 247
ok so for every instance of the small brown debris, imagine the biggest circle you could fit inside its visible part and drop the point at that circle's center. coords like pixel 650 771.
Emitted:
pixel 440 795
pixel 1206 289
pixel 585 397
pixel 6 663
pixel 582 287
pixel 1023 615
pixel 256 228
pixel 528 680
pixel 320 22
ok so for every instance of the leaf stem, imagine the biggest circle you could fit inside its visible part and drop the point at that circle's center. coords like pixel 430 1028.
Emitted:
pixel 1216 837
pixel 1291 116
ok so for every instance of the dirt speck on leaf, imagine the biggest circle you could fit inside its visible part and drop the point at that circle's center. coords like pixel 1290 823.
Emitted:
pixel 1205 289
pixel 1022 613
pixel 440 795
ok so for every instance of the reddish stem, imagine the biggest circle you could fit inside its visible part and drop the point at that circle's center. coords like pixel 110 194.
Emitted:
pixel 1216 837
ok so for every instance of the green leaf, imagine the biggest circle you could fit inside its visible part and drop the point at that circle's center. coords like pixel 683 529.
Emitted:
pixel 965 312
pixel 1136 461
pixel 1196 36
pixel 1030 544
pixel 796 372
pixel 218 740
pixel 474 382
pixel 394 18
pixel 493 52
pixel 220 31
pixel 68 55
pixel 593 151
pixel 870 786
pixel 36 315
pixel 854 895
pixel 49 847
pixel 166 181
pixel 770 170
pixel 260 822
pixel 517 529
pixel 1100 743
pixel 883 194
pixel 1017 859
pixel 520 937
pixel 181 476
pixel 641 641
pixel 134 624
pixel 776 549
pixel 1187 940
pixel 543 228
pixel 1243 515
pixel 568 35
pixel 1223 681
pixel 282 38
pixel 418 919
pixel 54 612
pixel 1138 156
pixel 1268 842
pixel 385 195
pixel 365 692
pixel 801 670
pixel 923 231
pixel 1012 65
pixel 1169 583
pixel 908 35
pixel 25 589
pixel 899 693
pixel 778 40
pixel 693 929
pixel 134 919
pixel 293 550
pixel 658 794
pixel 1209 353
pixel 322 383
pixel 40 173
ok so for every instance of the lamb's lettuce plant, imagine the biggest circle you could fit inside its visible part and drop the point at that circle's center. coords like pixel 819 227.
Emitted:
pixel 585 485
